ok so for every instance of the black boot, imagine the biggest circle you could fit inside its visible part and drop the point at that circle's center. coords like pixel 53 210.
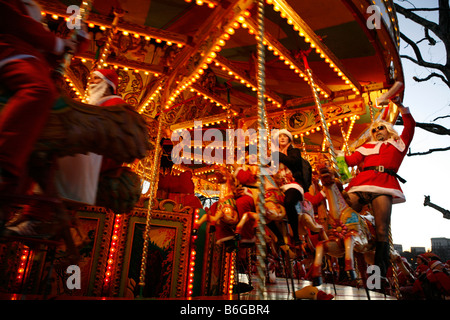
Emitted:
pixel 382 257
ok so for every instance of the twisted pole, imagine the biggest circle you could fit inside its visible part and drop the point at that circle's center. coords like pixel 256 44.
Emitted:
pixel 394 270
pixel 260 240
pixel 152 195
pixel 323 122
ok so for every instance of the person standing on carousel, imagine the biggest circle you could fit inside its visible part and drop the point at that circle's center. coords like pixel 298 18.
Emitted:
pixel 27 51
pixel 291 180
pixel 77 176
pixel 377 182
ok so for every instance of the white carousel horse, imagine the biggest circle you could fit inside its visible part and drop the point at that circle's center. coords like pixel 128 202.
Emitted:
pixel 348 231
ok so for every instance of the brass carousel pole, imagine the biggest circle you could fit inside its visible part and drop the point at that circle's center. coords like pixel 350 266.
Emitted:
pixel 322 117
pixel 260 240
pixel 398 295
pixel 105 51
pixel 152 195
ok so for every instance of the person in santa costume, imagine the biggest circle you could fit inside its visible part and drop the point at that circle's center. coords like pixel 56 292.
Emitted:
pixel 291 181
pixel 377 182
pixel 27 50
pixel 25 73
pixel 77 176
pixel 81 184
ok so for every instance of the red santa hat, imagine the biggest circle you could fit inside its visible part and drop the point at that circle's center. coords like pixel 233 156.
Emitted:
pixel 435 263
pixel 110 76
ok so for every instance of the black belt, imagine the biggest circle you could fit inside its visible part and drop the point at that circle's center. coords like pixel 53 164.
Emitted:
pixel 388 171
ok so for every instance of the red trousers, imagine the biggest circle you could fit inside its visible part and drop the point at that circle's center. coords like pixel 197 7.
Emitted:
pixel 26 112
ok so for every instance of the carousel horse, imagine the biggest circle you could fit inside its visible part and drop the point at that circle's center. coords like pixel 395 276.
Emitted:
pixel 117 132
pixel 348 231
pixel 223 216
pixel 307 222
pixel 273 202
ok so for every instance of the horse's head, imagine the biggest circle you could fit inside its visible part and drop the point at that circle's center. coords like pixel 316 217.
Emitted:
pixel 222 174
pixel 326 173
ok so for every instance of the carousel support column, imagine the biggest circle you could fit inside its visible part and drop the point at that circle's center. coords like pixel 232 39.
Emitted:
pixel 152 192
pixel 344 137
pixel 103 54
pixel 394 270
pixel 260 239
pixel 322 116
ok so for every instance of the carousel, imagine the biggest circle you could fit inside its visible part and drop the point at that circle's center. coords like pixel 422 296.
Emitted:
pixel 165 226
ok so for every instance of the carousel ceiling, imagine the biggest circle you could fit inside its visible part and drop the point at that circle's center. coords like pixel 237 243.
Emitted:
pixel 197 60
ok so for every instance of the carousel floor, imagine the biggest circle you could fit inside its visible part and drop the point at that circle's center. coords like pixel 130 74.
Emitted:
pixel 282 289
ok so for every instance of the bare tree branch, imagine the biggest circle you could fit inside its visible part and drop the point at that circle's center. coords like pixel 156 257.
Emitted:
pixel 410 154
pixel 441 30
pixel 441 117
pixel 420 61
pixel 432 75
pixel 430 127
pixel 409 14
pixel 424 9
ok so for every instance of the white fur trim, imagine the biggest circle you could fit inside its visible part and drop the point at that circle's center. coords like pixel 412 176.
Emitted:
pixel 398 144
pixel 292 186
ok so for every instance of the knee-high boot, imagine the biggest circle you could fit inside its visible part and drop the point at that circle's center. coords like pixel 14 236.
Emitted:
pixel 382 258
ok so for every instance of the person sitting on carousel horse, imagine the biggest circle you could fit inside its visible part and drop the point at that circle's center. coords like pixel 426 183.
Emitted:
pixel 77 176
pixel 291 183
pixel 377 183
pixel 28 54
pixel 25 71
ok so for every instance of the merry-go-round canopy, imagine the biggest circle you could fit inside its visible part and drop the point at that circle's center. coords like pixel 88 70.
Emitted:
pixel 197 61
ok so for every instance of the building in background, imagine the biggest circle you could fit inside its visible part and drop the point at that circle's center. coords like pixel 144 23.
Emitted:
pixel 441 247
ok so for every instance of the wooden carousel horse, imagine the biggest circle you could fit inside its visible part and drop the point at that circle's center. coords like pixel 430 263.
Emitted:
pixel 118 133
pixel 223 214
pixel 273 202
pixel 348 232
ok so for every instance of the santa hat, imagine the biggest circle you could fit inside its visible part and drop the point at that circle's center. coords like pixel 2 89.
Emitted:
pixel 435 263
pixel 282 131
pixel 110 76
pixel 424 259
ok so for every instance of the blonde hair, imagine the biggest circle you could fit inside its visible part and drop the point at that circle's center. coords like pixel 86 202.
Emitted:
pixel 389 127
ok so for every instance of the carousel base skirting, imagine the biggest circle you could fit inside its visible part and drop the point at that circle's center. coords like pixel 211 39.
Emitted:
pixel 282 289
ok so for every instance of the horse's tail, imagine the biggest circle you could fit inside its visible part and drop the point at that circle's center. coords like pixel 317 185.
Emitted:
pixel 117 132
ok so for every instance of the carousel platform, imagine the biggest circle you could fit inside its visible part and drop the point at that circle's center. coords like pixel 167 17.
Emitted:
pixel 281 290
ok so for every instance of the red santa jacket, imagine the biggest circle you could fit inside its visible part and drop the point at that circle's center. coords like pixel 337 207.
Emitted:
pixel 20 34
pixel 389 154
pixel 109 101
